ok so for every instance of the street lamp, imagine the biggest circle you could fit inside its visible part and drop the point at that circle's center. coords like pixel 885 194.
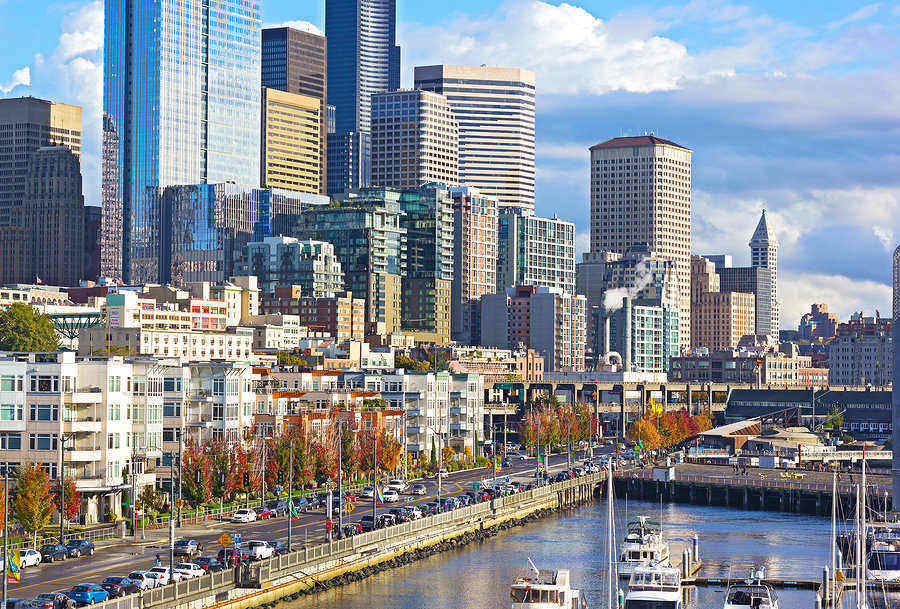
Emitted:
pixel 440 460
pixel 62 487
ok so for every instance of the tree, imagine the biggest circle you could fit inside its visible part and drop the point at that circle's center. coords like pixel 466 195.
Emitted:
pixel 150 500
pixel 196 473
pixel 408 363
pixel 23 329
pixel 644 432
pixel 447 454
pixel 33 506
pixel 289 359
pixel 389 449
pixel 73 499
pixel 835 421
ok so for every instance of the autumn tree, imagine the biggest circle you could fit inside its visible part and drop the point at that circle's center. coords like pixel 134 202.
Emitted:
pixel 72 499
pixel 196 473
pixel 33 505
pixel 389 449
pixel 643 432
pixel 24 329
pixel 408 363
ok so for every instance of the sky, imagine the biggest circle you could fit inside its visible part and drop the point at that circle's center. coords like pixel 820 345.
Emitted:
pixel 788 106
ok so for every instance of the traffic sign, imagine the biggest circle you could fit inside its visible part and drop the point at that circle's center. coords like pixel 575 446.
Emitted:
pixel 225 539
pixel 237 538
pixel 349 507
pixel 13 574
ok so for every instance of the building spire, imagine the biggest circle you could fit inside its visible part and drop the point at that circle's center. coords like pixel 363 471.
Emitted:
pixel 763 236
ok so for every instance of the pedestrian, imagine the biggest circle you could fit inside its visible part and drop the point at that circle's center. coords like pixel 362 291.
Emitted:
pixel 158 561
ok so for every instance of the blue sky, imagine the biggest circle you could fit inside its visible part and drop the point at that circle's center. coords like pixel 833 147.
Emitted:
pixel 792 106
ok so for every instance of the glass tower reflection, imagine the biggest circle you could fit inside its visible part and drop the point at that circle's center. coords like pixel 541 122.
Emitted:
pixel 181 106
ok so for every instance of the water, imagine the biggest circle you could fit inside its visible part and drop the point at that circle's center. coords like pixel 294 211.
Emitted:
pixel 478 575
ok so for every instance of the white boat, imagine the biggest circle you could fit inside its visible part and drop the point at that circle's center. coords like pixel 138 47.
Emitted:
pixel 644 546
pixel 545 589
pixel 752 593
pixel 883 564
pixel 654 588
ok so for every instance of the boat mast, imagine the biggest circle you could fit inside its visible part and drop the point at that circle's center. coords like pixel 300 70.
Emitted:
pixel 858 575
pixel 834 524
pixel 862 533
pixel 611 553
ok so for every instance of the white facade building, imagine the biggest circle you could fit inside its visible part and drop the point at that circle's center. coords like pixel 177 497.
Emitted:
pixel 535 251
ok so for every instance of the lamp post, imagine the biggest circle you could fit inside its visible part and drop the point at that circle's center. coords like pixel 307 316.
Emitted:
pixel 5 530
pixel 290 505
pixel 62 486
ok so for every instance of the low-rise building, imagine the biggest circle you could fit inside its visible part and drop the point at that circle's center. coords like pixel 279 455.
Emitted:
pixel 498 364
pixel 341 316
pixel 767 368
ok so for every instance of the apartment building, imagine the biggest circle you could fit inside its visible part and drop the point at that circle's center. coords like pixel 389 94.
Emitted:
pixel 340 316
pixel 535 251
pixel 285 261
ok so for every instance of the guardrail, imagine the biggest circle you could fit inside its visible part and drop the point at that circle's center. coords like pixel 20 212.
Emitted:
pixel 758 482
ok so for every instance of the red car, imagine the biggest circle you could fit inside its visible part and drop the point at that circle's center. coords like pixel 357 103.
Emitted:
pixel 229 557
pixel 264 512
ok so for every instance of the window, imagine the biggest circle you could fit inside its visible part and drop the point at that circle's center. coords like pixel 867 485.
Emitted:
pixel 171 434
pixel 42 441
pixel 218 412
pixel 115 383
pixel 44 412
pixel 112 440
pixel 115 412
pixel 11 383
pixel 172 409
pixel 51 468
pixel 10 441
pixel 11 412
pixel 44 384
pixel 218 386
pixel 172 384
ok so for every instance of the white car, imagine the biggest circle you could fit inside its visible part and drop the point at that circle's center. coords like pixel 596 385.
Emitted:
pixel 188 570
pixel 367 493
pixel 243 515
pixel 158 579
pixel 29 558
pixel 395 484
pixel 418 489
pixel 163 575
pixel 260 550
pixel 390 496
pixel 443 473
pixel 143 579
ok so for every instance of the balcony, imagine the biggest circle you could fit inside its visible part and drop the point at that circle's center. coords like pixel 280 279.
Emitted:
pixel 90 395
pixel 413 412
pixel 455 411
pixel 82 455
pixel 12 425
pixel 413 431
pixel 82 426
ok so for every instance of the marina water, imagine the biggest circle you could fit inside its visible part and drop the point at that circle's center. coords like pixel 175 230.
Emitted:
pixel 477 576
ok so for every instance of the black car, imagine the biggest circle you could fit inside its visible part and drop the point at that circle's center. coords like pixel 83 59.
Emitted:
pixel 368 523
pixel 120 586
pixel 53 552
pixel 18 603
pixel 79 547
pixel 208 563
pixel 280 547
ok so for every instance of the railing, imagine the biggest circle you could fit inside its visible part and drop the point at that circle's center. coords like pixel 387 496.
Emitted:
pixel 822 487
pixel 96 534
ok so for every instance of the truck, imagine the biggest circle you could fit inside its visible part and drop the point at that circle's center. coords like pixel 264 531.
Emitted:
pixel 259 550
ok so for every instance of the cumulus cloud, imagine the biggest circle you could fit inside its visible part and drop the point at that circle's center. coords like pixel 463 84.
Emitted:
pixel 21 77
pixel 843 294
pixel 304 26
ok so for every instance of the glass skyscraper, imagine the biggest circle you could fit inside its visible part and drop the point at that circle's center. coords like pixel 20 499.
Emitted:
pixel 181 106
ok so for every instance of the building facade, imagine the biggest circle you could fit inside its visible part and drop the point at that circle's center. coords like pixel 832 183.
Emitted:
pixel 764 254
pixel 754 280
pixel 862 353
pixel 474 260
pixel 719 319
pixel 535 251
pixel 349 161
pixel 495 111
pixel 641 193
pixel 28 124
pixel 294 61
pixel 415 140
pixel 284 261
pixel 291 143
pixel 818 324
pixel 181 105
pixel 340 316
pixel 644 332
pixel 767 369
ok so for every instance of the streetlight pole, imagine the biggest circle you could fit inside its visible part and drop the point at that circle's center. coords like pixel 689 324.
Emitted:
pixel 172 518
pixel 290 505
pixel 62 487
pixel 180 458
pixel 341 477
pixel 5 531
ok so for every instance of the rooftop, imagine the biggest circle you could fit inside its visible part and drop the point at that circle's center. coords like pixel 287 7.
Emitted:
pixel 641 140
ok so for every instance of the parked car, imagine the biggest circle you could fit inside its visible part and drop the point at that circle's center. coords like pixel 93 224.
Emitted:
pixel 48 600
pixel 389 496
pixel 166 575
pixel 264 512
pixel 367 492
pixel 29 558
pixel 229 557
pixel 117 586
pixel 418 489
pixel 188 570
pixel 301 503
pixel 260 550
pixel 368 523
pixel 244 515
pixel 18 603
pixel 53 552
pixel 159 579
pixel 87 594
pixel 143 579
pixel 278 507
pixel 79 547
pixel 186 547
pixel 208 563
pixel 396 484
pixel 313 502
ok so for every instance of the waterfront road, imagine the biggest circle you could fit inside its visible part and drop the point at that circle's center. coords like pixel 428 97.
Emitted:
pixel 124 556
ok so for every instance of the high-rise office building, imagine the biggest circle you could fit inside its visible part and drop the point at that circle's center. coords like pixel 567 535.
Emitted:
pixel 719 319
pixel 764 254
pixel 896 283
pixel 535 251
pixel 474 260
pixel 495 111
pixel 54 217
pixel 363 58
pixel 181 106
pixel 294 61
pixel 349 162
pixel 93 216
pixel 415 140
pixel 641 193
pixel 291 142
pixel 28 124
pixel 310 266
pixel 428 219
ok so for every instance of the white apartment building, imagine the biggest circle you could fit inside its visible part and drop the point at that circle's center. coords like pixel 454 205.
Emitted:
pixel 535 251
pixel 495 111
pixel 415 140
pixel 641 194
pixel 864 357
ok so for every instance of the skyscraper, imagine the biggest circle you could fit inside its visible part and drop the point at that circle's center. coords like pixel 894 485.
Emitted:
pixel 27 124
pixel 349 162
pixel 896 283
pixel 294 61
pixel 291 142
pixel 363 58
pixel 764 254
pixel 415 140
pixel 641 193
pixel 181 106
pixel 495 111
pixel 535 251
pixel 719 318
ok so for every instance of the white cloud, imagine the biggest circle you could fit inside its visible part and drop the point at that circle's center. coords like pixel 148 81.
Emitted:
pixel 582 243
pixel 20 77
pixel 886 236
pixel 860 14
pixel 304 26
pixel 843 295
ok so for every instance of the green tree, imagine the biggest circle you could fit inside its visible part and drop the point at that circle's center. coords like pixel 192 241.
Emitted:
pixel 289 359
pixel 835 420
pixel 408 363
pixel 23 329
pixel 33 505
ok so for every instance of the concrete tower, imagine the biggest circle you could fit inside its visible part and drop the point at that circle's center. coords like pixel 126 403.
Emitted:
pixel 764 254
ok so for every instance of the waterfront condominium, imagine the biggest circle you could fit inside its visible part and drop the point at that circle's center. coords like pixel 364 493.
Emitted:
pixel 495 111
pixel 415 140
pixel 181 105
pixel 641 194
pixel 294 61
pixel 291 142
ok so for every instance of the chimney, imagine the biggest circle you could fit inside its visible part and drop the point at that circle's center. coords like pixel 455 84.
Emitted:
pixel 626 314
pixel 606 336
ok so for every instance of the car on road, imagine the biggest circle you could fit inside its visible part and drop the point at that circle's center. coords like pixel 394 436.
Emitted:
pixel 313 502
pixel 430 508
pixel 117 586
pixel 260 550
pixel 29 558
pixel 17 603
pixel 367 492
pixel 87 594
pixel 280 547
pixel 209 564
pixel 301 503
pixel 443 473
pixel 244 515
pixel 418 489
pixel 188 570
pixel 414 512
pixel 187 547
pixel 367 523
pixel 48 600
pixel 278 507
pixel 229 557
pixel 396 484
pixel 263 512
pixel 159 579
pixel 79 547
pixel 53 552
pixel 390 496
pixel 165 575
pixel 145 582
